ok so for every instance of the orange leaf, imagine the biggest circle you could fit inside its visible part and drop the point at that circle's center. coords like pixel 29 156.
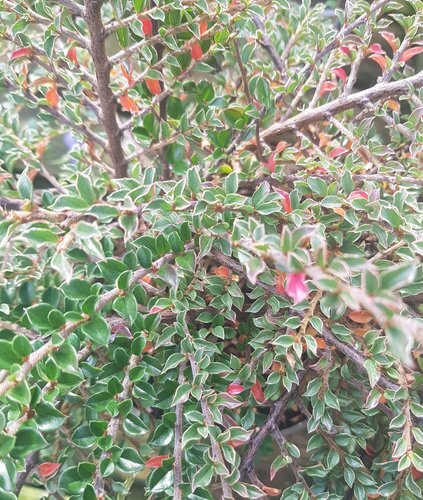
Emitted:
pixel 127 74
pixel 47 470
pixel 203 27
pixel 41 147
pixel 196 51
pixel 128 104
pixel 258 393
pixel 153 86
pixel 148 346
pixel 23 52
pixel 409 53
pixel 321 343
pixel 272 492
pixel 380 60
pixel 340 211
pixel 52 96
pixel 280 284
pixel 154 462
pixel 222 271
pixel 394 105
pixel 360 316
pixel 328 86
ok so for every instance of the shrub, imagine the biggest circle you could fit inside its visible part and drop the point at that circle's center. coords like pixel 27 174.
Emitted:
pixel 231 244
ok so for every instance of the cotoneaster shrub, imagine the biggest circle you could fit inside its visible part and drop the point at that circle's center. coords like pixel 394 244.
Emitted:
pixel 233 238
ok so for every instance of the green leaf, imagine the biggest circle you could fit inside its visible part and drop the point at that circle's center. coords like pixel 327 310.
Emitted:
pixel 97 330
pixel 24 185
pixel 27 441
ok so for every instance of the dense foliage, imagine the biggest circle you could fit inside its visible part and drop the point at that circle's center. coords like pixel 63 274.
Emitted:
pixel 230 244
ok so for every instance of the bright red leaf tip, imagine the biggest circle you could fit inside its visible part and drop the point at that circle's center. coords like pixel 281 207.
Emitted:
pixel 375 48
pixel 340 73
pixel 296 287
pixel 153 86
pixel 358 194
pixel 234 389
pixel 409 53
pixel 258 393
pixel 147 26
pixel 338 151
pixel 47 470
pixel 23 52
pixel 270 164
pixel 154 462
pixel 390 38
pixel 286 200
pixel 328 86
pixel 196 51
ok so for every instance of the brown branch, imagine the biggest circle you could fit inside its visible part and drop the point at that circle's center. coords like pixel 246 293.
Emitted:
pixel 268 46
pixel 348 350
pixel 380 91
pixel 72 6
pixel 13 327
pixel 270 424
pixel 105 94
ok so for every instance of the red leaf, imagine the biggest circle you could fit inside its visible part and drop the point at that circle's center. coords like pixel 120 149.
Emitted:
pixel 147 26
pixel 320 171
pixel 23 52
pixel 234 443
pixel 286 200
pixel 360 316
pixel 71 55
pixel 417 475
pixel 153 86
pixel 154 462
pixel 375 48
pixel 328 86
pixel 345 50
pixel 196 51
pixel 52 96
pixel 390 38
pixel 296 287
pixel 281 146
pixel 338 151
pixel 340 73
pixel 203 27
pixel 128 104
pixel 409 53
pixel 156 309
pixel 270 163
pixel 358 194
pixel 380 60
pixel 47 470
pixel 234 389
pixel 370 450
pixel 258 393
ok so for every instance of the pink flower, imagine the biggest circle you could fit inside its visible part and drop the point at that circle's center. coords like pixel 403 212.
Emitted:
pixel 358 194
pixel 296 287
